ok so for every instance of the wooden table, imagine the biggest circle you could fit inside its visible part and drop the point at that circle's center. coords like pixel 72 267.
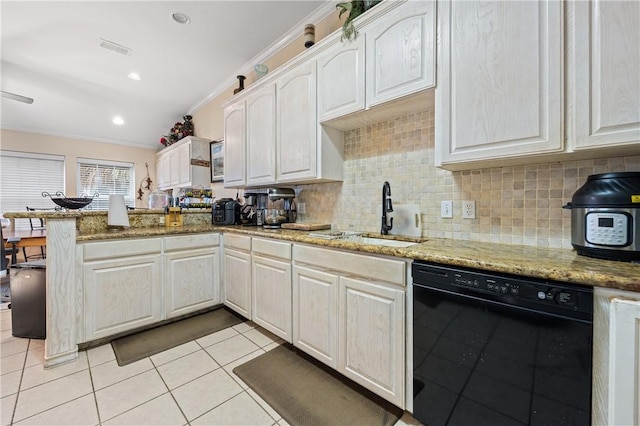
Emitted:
pixel 28 238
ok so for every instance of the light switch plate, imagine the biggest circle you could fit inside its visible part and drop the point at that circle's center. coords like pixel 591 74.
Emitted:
pixel 446 209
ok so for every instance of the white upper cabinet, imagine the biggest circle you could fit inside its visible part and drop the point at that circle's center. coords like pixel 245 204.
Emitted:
pixel 235 145
pixel 400 50
pixel 174 166
pixel 261 136
pixel 341 79
pixel 296 120
pixel 500 83
pixel 605 77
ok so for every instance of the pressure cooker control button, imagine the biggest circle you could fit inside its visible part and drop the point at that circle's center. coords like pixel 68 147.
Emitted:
pixel 564 298
pixel 542 295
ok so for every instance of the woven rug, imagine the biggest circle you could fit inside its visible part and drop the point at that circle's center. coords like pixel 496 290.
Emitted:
pixel 138 346
pixel 306 392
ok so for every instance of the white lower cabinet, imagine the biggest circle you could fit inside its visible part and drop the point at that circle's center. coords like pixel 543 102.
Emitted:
pixel 271 286
pixel 616 358
pixel 191 273
pixel 315 313
pixel 371 345
pixel 122 286
pixel 237 274
pixel 349 313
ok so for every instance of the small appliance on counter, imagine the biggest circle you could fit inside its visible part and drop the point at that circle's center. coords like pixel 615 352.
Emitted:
pixel 225 211
pixel 270 207
pixel 604 217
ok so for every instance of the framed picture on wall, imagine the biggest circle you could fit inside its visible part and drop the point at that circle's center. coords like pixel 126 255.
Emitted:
pixel 217 160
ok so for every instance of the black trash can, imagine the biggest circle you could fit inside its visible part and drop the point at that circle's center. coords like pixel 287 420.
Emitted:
pixel 28 285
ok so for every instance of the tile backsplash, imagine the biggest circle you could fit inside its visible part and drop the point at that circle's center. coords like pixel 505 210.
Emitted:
pixel 514 205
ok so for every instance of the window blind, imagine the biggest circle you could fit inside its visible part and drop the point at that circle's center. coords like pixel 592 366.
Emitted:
pixel 23 178
pixel 105 178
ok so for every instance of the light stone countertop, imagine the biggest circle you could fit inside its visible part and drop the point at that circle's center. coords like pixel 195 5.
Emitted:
pixel 545 263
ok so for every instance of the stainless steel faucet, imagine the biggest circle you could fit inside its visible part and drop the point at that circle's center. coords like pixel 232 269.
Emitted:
pixel 387 207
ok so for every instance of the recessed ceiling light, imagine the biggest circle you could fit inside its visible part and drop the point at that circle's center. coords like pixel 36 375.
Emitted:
pixel 134 76
pixel 118 120
pixel 180 18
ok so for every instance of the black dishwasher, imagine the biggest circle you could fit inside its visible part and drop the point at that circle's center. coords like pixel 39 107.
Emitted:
pixel 494 349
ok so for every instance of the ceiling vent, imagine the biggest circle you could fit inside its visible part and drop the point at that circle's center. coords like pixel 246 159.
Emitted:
pixel 115 47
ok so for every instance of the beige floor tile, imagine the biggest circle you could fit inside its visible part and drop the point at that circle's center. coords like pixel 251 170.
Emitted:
pixel 243 327
pixel 261 337
pixel 217 337
pixel 175 353
pixel 274 345
pixel 189 367
pixel 34 357
pixel 110 372
pixel 266 407
pixel 6 336
pixel 123 396
pixel 10 383
pixel 36 343
pixel 205 393
pixel 231 349
pixel 14 347
pixel 408 420
pixel 44 397
pixel 5 320
pixel 100 354
pixel 7 404
pixel 162 410
pixel 283 422
pixel 229 367
pixel 12 363
pixel 240 410
pixel 81 411
pixel 37 374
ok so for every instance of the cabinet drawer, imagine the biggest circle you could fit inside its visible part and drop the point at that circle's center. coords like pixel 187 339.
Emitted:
pixel 238 242
pixel 121 248
pixel 192 241
pixel 271 248
pixel 373 267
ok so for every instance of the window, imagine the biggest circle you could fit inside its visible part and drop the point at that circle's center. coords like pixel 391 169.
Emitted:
pixel 105 178
pixel 23 178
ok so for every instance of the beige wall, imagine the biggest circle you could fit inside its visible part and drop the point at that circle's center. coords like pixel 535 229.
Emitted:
pixel 72 149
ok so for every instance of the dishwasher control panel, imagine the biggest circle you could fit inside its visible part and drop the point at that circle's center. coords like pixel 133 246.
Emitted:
pixel 528 292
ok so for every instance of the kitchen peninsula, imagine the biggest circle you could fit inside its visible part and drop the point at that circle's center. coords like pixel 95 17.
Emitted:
pixel 67 230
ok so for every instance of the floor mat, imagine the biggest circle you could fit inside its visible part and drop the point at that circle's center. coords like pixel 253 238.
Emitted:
pixel 306 392
pixel 138 346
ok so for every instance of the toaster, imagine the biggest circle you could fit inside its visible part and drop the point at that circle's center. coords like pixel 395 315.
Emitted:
pixel 225 211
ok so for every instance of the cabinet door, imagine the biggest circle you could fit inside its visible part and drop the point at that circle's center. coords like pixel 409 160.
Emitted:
pixel 122 294
pixel 174 166
pixel 372 316
pixel 315 313
pixel 261 137
pixel 163 171
pixel 401 52
pixel 237 281
pixel 192 280
pixel 234 145
pixel 183 157
pixel 297 124
pixel 271 284
pixel 341 79
pixel 624 362
pixel 606 61
pixel 499 91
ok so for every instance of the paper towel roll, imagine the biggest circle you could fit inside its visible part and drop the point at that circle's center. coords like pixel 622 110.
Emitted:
pixel 117 215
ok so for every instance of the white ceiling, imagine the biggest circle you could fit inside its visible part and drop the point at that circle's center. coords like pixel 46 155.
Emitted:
pixel 51 52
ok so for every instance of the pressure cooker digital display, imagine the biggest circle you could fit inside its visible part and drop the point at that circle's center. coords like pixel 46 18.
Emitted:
pixel 608 229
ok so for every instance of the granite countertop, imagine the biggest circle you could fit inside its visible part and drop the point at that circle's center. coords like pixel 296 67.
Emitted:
pixel 545 263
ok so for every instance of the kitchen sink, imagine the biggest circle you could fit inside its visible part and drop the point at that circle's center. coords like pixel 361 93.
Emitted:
pixel 385 242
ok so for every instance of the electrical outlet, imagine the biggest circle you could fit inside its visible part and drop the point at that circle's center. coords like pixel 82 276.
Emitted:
pixel 446 209
pixel 468 209
pixel 302 208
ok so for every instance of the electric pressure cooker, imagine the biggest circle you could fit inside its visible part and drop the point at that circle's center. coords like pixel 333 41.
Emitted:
pixel 604 217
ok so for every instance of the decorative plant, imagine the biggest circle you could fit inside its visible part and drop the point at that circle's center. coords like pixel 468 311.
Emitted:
pixel 355 8
pixel 178 131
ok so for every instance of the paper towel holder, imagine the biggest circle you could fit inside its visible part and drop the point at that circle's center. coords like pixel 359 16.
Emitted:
pixel 117 217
